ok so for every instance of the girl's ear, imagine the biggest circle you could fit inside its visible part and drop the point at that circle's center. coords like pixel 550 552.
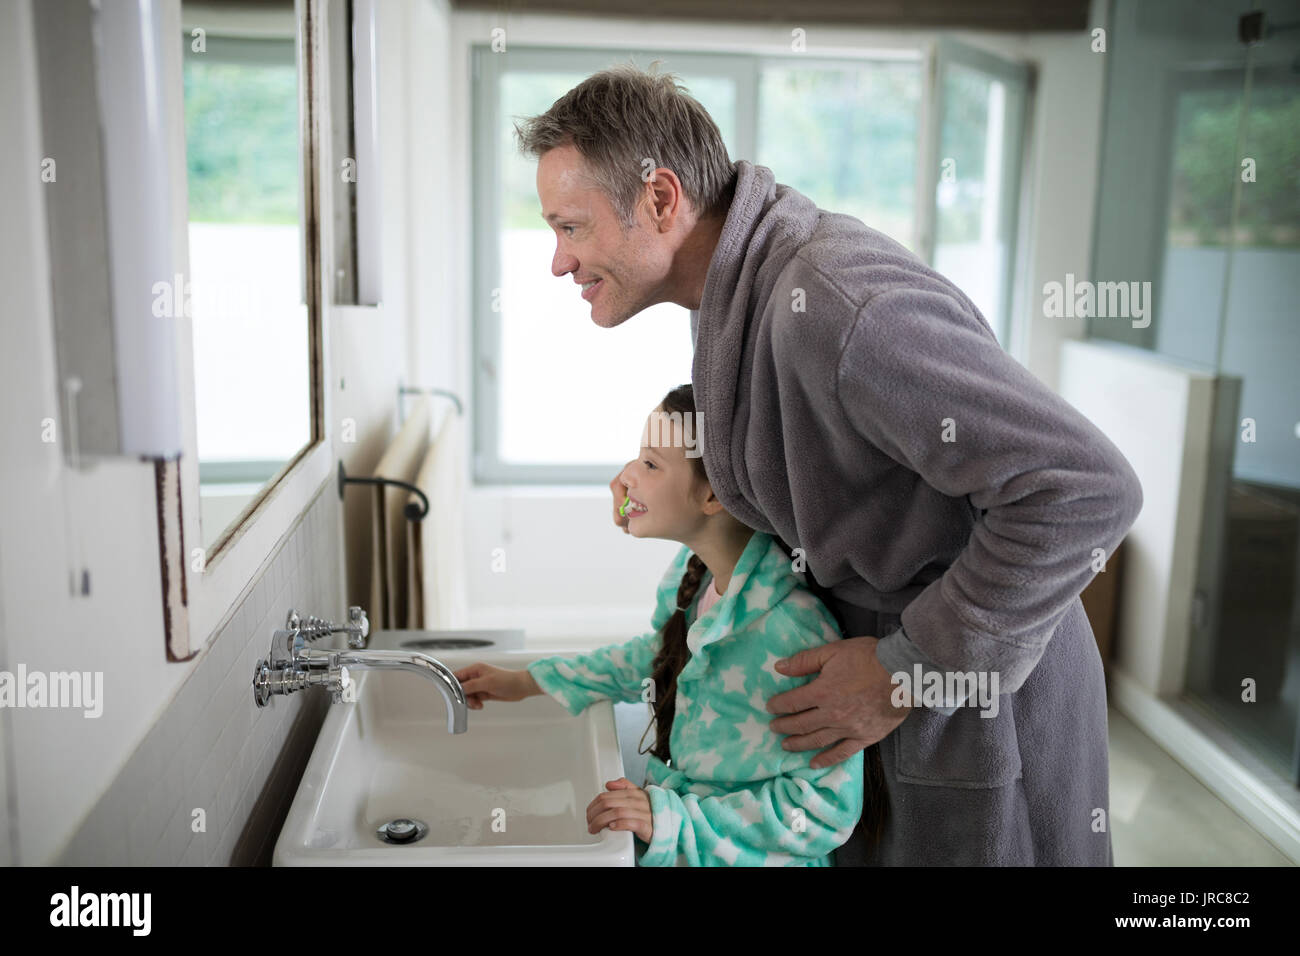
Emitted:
pixel 711 503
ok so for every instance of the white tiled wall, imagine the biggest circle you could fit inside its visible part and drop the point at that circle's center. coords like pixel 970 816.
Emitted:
pixel 213 748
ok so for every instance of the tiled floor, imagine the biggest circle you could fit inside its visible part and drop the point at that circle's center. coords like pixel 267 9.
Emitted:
pixel 1163 816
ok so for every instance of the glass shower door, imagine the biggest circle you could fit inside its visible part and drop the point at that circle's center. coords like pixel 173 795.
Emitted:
pixel 1238 128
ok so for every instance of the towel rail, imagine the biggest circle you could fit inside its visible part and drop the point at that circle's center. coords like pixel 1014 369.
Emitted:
pixel 404 390
pixel 414 511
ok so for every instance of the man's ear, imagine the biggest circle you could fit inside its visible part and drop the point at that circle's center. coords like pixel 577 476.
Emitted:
pixel 666 198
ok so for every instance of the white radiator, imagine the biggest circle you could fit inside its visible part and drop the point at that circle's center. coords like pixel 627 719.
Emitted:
pixel 1160 413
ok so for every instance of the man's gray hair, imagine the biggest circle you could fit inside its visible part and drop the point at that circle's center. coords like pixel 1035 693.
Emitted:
pixel 622 116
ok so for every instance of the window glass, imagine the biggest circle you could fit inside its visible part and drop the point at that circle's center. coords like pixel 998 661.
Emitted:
pixel 846 137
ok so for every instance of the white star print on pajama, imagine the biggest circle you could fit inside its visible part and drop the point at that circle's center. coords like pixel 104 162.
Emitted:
pixel 735 796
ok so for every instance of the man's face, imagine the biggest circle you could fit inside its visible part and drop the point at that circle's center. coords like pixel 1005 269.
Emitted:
pixel 632 267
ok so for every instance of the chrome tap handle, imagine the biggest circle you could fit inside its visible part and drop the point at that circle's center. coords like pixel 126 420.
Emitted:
pixel 359 629
pixel 328 673
pixel 339 692
pixel 314 628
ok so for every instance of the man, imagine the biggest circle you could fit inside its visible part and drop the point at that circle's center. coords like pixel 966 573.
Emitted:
pixel 854 403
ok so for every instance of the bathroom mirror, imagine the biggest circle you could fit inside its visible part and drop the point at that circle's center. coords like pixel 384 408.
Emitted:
pixel 247 291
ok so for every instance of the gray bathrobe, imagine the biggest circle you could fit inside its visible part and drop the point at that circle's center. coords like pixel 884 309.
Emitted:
pixel 856 404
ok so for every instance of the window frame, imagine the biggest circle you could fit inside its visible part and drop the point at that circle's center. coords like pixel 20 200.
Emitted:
pixel 950 52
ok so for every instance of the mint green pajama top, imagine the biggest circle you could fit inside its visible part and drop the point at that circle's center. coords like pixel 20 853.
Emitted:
pixel 733 796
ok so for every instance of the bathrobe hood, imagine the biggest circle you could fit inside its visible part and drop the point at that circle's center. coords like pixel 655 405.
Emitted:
pixel 763 231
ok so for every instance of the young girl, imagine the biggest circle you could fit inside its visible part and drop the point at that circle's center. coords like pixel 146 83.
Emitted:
pixel 721 790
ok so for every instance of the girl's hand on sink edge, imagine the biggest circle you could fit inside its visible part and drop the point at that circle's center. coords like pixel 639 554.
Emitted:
pixel 482 682
pixel 624 806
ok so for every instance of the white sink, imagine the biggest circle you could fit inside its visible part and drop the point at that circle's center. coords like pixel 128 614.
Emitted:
pixel 511 791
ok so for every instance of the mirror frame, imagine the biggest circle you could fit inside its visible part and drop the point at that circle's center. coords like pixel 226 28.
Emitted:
pixel 215 581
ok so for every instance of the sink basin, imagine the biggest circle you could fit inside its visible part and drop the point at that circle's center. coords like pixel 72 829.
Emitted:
pixel 501 639
pixel 511 791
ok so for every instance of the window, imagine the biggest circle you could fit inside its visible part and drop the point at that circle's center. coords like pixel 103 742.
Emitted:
pixel 534 412
pixel 846 133
pixel 980 110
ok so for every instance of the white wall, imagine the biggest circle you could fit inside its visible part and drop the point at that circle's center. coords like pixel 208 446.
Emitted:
pixel 52 518
pixel 434 328
pixel 570 575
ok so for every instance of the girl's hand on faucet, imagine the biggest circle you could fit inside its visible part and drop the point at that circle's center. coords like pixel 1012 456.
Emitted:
pixel 482 682
pixel 624 806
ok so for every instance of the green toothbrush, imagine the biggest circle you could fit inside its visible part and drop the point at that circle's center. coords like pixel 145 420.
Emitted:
pixel 622 509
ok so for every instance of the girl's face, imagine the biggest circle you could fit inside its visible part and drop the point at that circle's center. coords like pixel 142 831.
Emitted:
pixel 668 497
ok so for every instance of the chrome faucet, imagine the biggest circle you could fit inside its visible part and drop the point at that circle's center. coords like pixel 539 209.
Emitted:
pixel 313 629
pixel 292 666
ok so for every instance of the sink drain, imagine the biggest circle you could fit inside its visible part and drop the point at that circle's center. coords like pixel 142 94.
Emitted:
pixel 403 830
